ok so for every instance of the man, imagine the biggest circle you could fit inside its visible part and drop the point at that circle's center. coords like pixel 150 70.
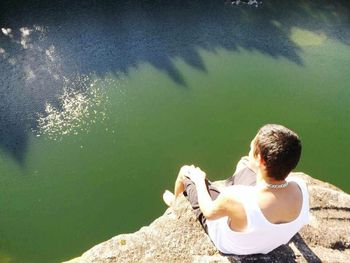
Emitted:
pixel 260 208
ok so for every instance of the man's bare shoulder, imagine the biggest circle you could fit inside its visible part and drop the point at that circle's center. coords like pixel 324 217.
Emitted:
pixel 234 196
pixel 236 191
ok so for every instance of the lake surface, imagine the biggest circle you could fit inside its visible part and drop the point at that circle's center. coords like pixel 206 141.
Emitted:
pixel 101 103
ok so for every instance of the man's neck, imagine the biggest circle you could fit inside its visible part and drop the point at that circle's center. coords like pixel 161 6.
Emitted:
pixel 262 177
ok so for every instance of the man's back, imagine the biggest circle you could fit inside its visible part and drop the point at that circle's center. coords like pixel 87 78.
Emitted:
pixel 262 232
pixel 281 205
pixel 277 206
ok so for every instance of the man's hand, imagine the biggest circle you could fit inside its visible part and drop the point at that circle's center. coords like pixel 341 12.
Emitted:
pixel 196 174
pixel 186 171
pixel 183 172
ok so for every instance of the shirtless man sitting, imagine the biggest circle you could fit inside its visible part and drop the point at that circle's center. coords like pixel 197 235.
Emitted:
pixel 260 208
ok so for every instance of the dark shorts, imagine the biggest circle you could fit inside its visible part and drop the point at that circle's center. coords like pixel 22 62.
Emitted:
pixel 244 177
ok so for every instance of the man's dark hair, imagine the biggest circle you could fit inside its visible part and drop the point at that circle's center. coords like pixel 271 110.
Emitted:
pixel 279 147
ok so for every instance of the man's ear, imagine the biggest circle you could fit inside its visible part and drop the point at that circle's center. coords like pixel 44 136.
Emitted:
pixel 261 161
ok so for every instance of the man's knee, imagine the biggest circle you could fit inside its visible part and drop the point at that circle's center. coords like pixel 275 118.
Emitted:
pixel 242 163
pixel 191 193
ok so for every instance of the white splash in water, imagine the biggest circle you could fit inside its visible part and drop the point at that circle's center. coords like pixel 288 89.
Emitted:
pixel 79 109
pixel 74 104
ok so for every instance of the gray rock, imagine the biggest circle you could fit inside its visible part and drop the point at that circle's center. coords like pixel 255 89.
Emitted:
pixel 176 236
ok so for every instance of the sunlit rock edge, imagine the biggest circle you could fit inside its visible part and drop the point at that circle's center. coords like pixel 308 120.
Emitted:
pixel 176 236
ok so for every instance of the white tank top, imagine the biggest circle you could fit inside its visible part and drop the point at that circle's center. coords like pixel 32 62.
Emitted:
pixel 260 236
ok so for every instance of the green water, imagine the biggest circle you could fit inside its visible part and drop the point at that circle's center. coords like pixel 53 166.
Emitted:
pixel 76 190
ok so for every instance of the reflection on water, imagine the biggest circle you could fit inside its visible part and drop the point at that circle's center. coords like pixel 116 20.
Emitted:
pixel 79 109
pixel 31 76
pixel 307 38
pixel 44 44
pixel 45 98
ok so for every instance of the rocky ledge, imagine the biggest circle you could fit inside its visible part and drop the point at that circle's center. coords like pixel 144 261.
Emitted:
pixel 176 236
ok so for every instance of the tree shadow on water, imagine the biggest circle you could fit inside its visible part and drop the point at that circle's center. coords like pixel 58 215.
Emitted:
pixel 44 43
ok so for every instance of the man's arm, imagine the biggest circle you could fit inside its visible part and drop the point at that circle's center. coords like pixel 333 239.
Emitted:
pixel 226 204
pixel 212 209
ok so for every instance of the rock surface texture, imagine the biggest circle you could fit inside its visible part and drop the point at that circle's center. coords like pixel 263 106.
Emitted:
pixel 176 236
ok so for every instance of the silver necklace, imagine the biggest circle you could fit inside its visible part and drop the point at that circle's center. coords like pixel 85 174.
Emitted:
pixel 276 186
